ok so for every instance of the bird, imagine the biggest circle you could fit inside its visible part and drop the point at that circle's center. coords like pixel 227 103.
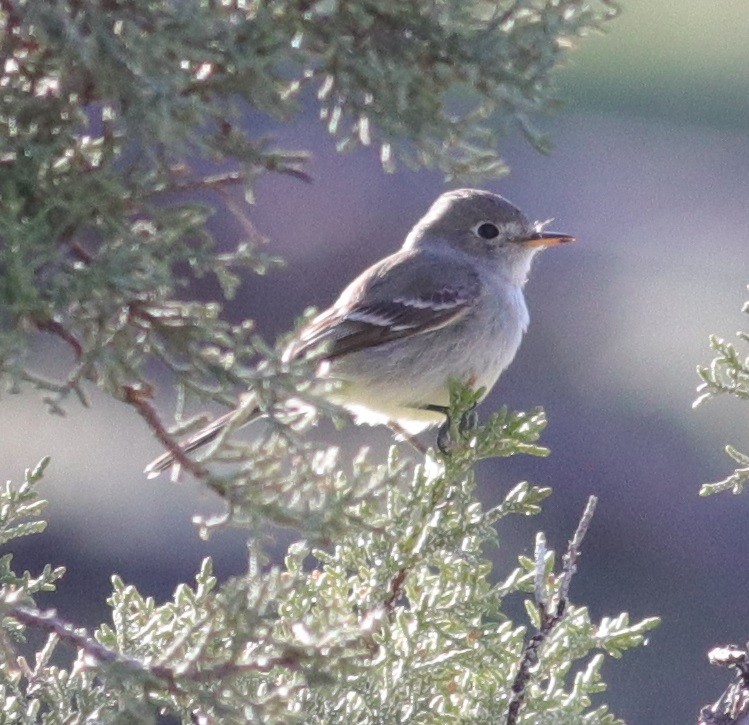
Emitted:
pixel 448 305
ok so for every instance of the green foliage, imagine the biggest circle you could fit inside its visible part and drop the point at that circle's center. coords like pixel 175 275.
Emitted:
pixel 398 619
pixel 736 481
pixel 19 508
pixel 727 374
pixel 385 609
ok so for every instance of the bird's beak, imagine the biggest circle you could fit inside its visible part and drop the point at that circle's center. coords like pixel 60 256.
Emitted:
pixel 547 239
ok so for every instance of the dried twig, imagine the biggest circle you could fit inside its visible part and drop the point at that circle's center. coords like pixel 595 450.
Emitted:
pixel 55 328
pixel 81 254
pixel 138 398
pixel 732 707
pixel 551 611
pixel 208 183
pixel 396 589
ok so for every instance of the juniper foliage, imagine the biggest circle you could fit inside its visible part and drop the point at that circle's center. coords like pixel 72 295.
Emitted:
pixel 112 116
pixel 396 620
pixel 727 374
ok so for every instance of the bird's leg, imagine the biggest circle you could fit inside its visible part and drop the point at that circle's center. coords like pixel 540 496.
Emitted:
pixel 468 422
pixel 444 439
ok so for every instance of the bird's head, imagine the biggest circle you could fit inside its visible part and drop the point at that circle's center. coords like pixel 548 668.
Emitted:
pixel 484 225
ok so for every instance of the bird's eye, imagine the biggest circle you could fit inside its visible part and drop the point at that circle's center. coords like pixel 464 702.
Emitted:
pixel 486 230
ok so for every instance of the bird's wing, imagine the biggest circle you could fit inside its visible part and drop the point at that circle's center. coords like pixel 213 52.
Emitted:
pixel 406 294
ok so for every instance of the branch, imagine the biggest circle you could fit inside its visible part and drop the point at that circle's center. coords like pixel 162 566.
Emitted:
pixel 138 398
pixel 81 254
pixel 55 328
pixel 551 611
pixel 396 589
pixel 206 183
pixel 49 622
pixel 732 707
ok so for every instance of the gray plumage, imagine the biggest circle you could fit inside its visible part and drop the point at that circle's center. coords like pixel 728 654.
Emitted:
pixel 448 304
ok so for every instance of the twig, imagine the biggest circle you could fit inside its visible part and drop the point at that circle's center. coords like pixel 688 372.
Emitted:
pixel 551 611
pixel 396 589
pixel 81 254
pixel 55 328
pixel 204 183
pixel 569 561
pixel 732 707
pixel 412 440
pixel 48 621
pixel 138 398
pixel 14 21
pixel 219 672
pixel 240 215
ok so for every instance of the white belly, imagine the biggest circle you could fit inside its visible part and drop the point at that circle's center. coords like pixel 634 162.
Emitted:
pixel 395 381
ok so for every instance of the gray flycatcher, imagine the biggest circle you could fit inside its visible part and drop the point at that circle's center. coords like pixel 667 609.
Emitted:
pixel 448 305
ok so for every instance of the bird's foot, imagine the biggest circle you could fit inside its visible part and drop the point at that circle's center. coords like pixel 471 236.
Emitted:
pixel 469 421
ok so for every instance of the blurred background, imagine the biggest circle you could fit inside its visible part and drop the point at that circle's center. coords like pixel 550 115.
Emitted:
pixel 650 171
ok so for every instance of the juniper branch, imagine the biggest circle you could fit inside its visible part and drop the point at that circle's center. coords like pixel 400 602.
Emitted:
pixel 138 398
pixel 551 611
pixel 48 621
pixel 732 707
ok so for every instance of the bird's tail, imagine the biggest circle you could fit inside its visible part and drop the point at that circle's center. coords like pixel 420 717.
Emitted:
pixel 204 436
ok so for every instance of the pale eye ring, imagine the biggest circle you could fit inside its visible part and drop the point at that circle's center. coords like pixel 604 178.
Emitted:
pixel 486 230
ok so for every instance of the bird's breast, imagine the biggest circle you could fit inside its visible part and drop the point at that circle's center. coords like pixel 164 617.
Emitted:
pixel 498 328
